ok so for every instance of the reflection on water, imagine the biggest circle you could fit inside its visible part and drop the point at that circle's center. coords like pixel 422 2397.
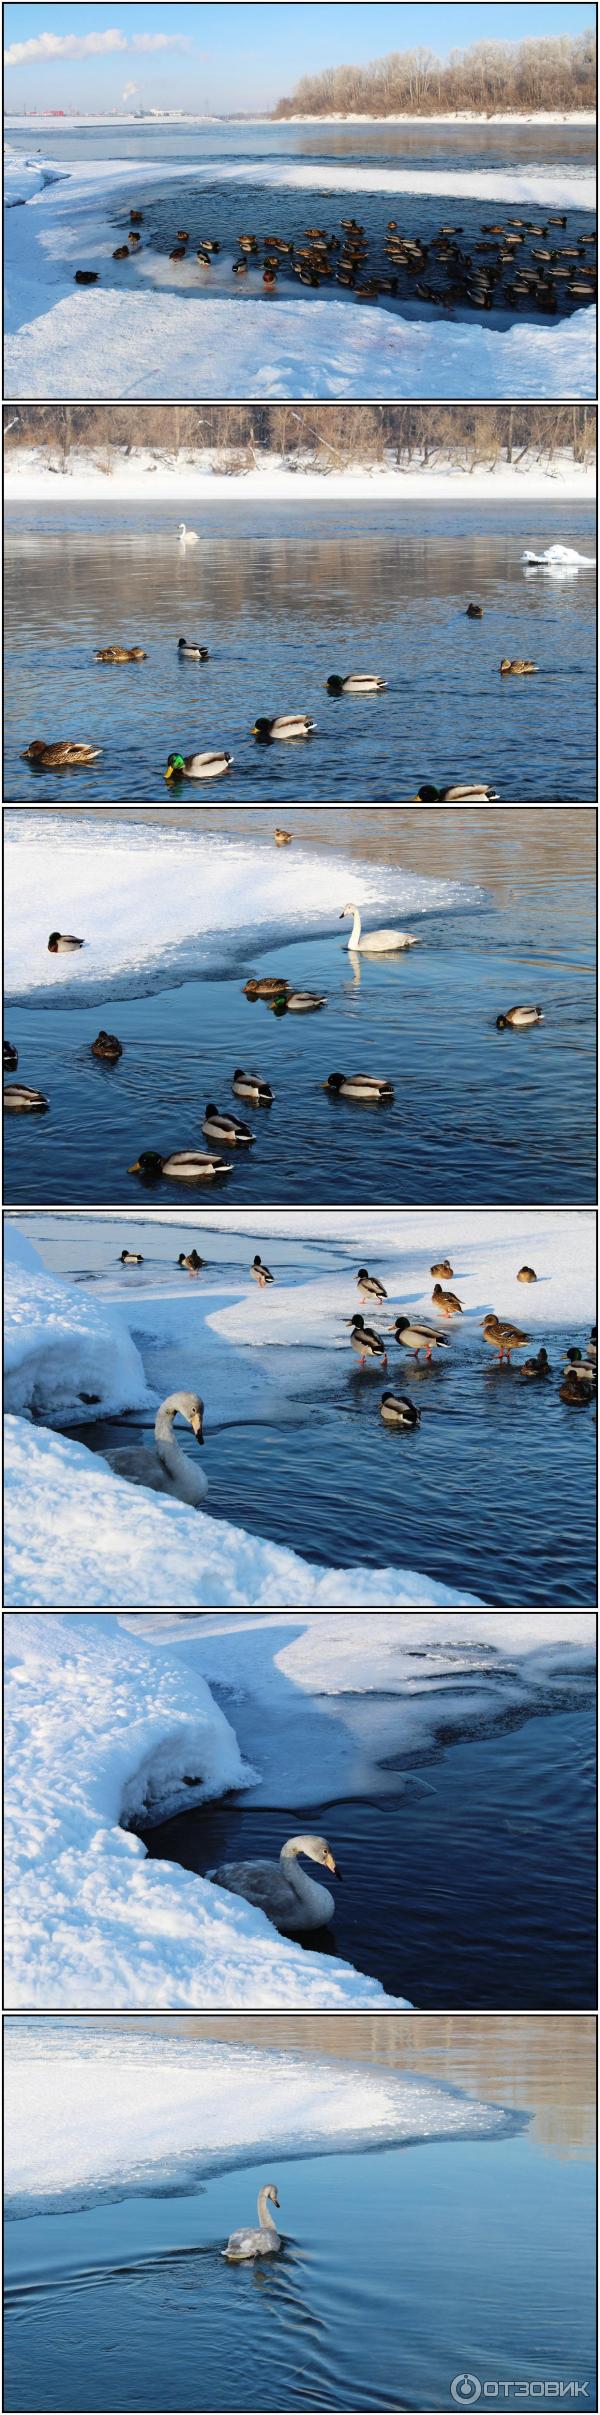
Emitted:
pixel 283 601
pixel 512 145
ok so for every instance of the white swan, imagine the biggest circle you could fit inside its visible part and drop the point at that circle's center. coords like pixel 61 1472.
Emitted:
pixel 263 2242
pixel 170 1472
pixel 289 1897
pixel 187 536
pixel 559 555
pixel 375 943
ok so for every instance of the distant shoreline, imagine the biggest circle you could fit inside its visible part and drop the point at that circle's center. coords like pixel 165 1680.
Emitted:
pixel 149 480
pixel 457 117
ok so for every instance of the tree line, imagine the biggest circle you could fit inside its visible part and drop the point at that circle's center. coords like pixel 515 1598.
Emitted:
pixel 326 436
pixel 548 72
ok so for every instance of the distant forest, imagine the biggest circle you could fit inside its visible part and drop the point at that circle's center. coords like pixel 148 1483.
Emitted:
pixel 328 436
pixel 550 72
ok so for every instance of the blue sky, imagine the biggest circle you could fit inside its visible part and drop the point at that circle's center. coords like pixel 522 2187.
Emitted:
pixel 222 57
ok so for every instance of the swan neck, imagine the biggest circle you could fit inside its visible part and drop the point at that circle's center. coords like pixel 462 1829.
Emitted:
pixel 354 939
pixel 296 1877
pixel 264 2212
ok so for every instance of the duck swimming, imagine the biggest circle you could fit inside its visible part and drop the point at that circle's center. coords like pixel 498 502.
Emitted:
pixel 120 654
pixel 269 986
pixel 261 1274
pixel 249 1086
pixel 63 943
pixel 262 2242
pixel 227 1128
pixel 369 1286
pixel 281 1889
pixel 18 1100
pixel 302 1002
pixel 285 725
pixel 474 612
pixel 189 652
pixel 417 1337
pixel 518 1018
pixel 283 838
pixel 366 1342
pixel 375 943
pixel 10 1056
pixel 518 670
pixel 198 767
pixel 397 1410
pixel 63 754
pixel 107 1047
pixel 192 1262
pixel 131 1257
pixel 356 683
pixel 475 792
pixel 535 1369
pixel 184 1165
pixel 366 1086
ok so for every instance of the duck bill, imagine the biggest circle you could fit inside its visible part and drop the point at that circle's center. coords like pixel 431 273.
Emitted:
pixel 134 1169
pixel 169 774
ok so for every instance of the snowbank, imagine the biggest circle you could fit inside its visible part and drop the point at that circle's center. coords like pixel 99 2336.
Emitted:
pixel 122 885
pixel 326 1705
pixel 156 341
pixel 115 2115
pixel 98 1724
pixel 75 1532
pixel 59 1345
pixel 150 478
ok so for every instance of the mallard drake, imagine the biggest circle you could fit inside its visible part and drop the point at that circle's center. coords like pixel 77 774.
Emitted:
pixel 184 1165
pixel 240 268
pixel 397 1410
pixel 227 1128
pixel 375 943
pixel 503 1337
pixel 447 1301
pixel 108 1047
pixel 517 669
pixel 63 943
pixel 209 766
pixel 526 1275
pixel 120 654
pixel 21 1101
pixel 62 754
pixel 283 838
pixel 261 1274
pixel 356 683
pixel 369 1286
pixel 443 1267
pixel 518 1018
pixel 131 1257
pixel 462 792
pixel 359 1086
pixel 189 652
pixel 474 612
pixel 249 1086
pixel 269 986
pixel 417 1337
pixel 366 1342
pixel 192 1262
pixel 285 725
pixel 10 1056
pixel 303 1002
pixel 583 1368
pixel 535 1368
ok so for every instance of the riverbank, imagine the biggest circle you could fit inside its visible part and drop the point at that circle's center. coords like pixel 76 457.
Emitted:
pixel 144 475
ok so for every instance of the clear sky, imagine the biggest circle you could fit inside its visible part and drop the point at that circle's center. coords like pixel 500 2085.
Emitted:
pixel 234 57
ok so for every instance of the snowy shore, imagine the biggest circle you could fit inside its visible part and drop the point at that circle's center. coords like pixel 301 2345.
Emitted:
pixel 30 477
pixel 153 340
pixel 110 1719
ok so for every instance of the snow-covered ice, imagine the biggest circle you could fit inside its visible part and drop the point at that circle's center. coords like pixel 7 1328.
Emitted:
pixel 157 342
pixel 206 475
pixel 121 886
pixel 89 2115
pixel 60 1344
pixel 99 1725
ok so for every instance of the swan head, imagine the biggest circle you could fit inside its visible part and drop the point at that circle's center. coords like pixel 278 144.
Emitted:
pixel 348 910
pixel 316 1849
pixel 188 1405
pixel 270 2191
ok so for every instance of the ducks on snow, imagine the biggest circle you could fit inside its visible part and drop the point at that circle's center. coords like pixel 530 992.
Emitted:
pixel 63 943
pixel 365 1341
pixel 418 1337
pixel 261 1274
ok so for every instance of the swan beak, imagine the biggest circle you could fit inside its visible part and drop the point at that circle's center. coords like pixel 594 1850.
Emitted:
pixel 197 1429
pixel 336 1870
pixel 276 2200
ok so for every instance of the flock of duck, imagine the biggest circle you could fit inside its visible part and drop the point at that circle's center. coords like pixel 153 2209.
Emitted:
pixel 212 763
pixel 220 1126
pixel 515 262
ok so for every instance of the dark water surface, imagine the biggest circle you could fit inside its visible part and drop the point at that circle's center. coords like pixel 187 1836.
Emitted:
pixel 283 596
pixel 521 144
pixel 400 2270
pixel 475 1888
